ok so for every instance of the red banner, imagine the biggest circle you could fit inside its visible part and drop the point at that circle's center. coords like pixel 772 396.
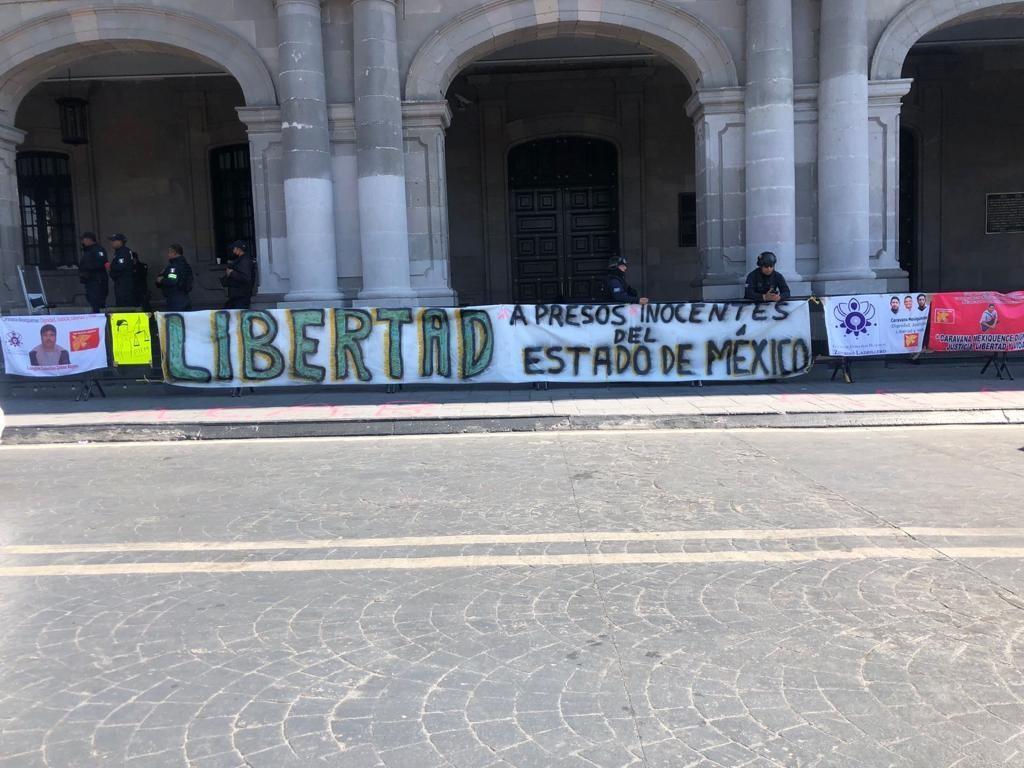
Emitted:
pixel 977 322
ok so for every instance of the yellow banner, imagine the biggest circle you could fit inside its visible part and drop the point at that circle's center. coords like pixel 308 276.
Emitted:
pixel 129 334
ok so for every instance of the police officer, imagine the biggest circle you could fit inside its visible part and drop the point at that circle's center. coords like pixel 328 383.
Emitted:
pixel 619 291
pixel 238 277
pixel 122 271
pixel 92 272
pixel 764 283
pixel 176 280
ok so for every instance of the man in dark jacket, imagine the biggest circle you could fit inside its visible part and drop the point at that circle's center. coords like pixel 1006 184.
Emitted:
pixel 238 277
pixel 618 289
pixel 122 272
pixel 92 272
pixel 764 283
pixel 176 280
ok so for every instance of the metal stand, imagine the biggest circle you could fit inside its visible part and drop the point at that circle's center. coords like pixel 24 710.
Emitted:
pixel 843 365
pixel 393 388
pixel 237 391
pixel 86 389
pixel 1001 363
pixel 540 385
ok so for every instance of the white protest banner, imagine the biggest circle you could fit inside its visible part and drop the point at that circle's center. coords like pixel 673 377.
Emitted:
pixel 587 343
pixel 54 345
pixel 876 324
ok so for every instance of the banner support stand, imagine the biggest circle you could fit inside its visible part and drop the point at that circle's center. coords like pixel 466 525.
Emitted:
pixel 1000 361
pixel 843 364
pixel 85 390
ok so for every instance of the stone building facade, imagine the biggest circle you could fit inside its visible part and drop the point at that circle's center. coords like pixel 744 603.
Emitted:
pixel 413 152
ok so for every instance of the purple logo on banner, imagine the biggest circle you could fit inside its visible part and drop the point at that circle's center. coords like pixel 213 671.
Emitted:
pixel 854 316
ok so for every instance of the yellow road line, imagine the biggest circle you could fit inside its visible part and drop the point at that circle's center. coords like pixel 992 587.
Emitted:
pixel 495 561
pixel 581 538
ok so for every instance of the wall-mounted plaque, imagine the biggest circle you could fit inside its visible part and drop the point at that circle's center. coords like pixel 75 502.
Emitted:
pixel 1004 213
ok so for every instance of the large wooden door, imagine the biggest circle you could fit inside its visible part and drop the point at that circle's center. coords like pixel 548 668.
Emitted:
pixel 564 218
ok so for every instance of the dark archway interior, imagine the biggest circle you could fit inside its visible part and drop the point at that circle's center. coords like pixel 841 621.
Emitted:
pixel 961 165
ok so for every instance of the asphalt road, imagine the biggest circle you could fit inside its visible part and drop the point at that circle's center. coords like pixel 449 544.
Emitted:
pixel 771 598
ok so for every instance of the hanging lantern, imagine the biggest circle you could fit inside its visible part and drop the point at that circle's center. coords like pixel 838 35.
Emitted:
pixel 74 120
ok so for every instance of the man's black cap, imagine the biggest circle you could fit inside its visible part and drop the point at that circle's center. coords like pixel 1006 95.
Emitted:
pixel 89 236
pixel 238 244
pixel 118 236
pixel 617 261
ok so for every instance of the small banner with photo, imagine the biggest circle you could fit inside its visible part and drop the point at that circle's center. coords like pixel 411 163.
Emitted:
pixel 876 324
pixel 54 345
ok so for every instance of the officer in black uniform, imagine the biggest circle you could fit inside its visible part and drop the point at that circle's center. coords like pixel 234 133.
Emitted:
pixel 618 289
pixel 122 271
pixel 176 280
pixel 764 283
pixel 238 277
pixel 92 272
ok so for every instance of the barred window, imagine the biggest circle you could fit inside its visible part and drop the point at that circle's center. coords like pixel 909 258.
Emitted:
pixel 231 182
pixel 47 210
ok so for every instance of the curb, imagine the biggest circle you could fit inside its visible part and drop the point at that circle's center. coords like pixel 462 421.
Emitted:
pixel 141 433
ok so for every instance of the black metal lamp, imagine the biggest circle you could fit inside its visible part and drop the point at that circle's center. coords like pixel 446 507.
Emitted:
pixel 74 120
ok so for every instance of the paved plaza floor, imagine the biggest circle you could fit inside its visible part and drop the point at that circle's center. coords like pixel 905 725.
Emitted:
pixel 675 598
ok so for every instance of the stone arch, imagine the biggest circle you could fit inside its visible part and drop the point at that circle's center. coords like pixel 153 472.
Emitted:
pixel 30 52
pixel 924 16
pixel 679 36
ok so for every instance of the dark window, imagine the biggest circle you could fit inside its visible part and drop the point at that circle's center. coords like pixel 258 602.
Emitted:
pixel 687 220
pixel 908 206
pixel 231 180
pixel 47 210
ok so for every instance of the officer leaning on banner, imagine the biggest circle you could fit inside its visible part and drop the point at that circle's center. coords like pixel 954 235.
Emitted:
pixel 122 271
pixel 92 272
pixel 238 277
pixel 618 289
pixel 764 283
pixel 176 280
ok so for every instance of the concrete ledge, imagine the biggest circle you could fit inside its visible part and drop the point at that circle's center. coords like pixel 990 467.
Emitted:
pixel 107 433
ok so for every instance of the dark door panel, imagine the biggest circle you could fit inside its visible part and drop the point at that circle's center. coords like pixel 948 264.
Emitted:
pixel 564 219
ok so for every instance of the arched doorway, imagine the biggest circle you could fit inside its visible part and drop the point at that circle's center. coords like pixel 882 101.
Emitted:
pixel 628 78
pixel 563 218
pixel 155 102
pixel 960 167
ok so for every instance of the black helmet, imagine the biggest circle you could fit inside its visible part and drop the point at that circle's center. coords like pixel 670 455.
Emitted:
pixel 617 261
pixel 238 244
pixel 766 259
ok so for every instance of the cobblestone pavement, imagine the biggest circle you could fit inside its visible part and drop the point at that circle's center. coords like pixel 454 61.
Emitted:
pixel 806 598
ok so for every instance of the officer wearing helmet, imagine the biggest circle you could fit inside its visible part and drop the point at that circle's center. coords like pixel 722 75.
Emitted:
pixel 238 277
pixel 618 289
pixel 764 283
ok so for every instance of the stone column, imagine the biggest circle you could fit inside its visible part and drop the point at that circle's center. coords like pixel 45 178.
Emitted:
pixel 380 156
pixel 771 174
pixel 843 227
pixel 11 254
pixel 308 187
pixel 718 117
pixel 885 99
pixel 426 186
pixel 263 125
